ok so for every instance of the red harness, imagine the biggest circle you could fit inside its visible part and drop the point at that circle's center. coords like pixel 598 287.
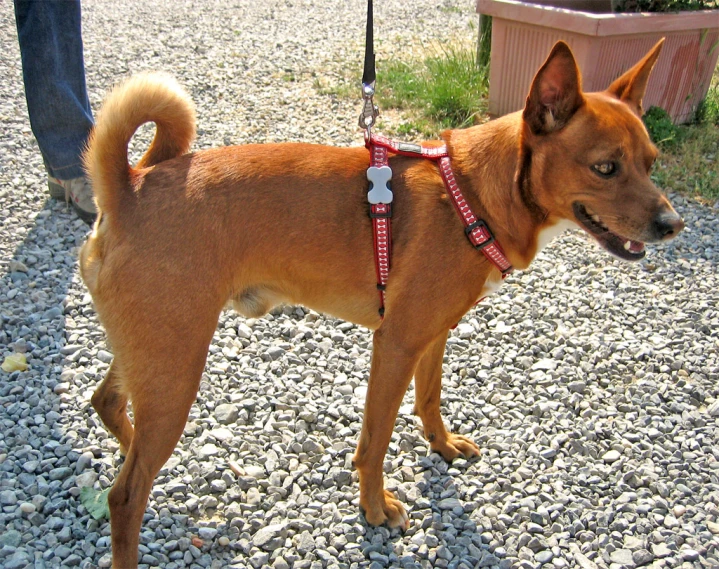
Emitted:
pixel 475 229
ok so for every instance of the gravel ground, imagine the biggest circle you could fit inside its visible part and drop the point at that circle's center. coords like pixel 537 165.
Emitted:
pixel 589 384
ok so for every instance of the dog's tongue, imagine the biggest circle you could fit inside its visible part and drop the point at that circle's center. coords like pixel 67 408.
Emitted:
pixel 635 246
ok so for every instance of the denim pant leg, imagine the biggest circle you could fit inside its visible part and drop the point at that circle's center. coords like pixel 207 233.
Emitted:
pixel 50 37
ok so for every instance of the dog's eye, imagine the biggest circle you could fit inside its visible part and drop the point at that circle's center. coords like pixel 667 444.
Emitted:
pixel 605 169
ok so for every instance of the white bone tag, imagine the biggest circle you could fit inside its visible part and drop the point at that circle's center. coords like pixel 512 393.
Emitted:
pixel 378 177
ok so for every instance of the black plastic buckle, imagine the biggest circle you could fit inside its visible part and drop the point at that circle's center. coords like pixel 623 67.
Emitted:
pixel 471 227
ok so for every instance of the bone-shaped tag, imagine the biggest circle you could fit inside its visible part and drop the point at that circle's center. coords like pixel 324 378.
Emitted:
pixel 379 177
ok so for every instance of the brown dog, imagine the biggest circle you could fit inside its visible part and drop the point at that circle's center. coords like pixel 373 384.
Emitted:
pixel 179 235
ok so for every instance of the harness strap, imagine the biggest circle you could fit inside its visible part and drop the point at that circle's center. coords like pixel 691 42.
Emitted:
pixel 475 229
pixel 405 148
pixel 381 214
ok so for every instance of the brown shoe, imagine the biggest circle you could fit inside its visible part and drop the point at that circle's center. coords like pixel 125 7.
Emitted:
pixel 76 191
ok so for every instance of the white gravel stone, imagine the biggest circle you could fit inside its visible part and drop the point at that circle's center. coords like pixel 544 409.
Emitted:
pixel 86 479
pixel 28 508
pixel 611 456
pixel 208 450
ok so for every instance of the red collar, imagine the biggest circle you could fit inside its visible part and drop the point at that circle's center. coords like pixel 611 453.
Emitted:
pixel 475 229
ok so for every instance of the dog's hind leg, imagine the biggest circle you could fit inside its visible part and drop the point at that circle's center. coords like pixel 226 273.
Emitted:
pixel 110 402
pixel 428 384
pixel 160 411
pixel 160 372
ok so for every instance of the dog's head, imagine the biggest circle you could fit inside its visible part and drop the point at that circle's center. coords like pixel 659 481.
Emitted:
pixel 586 157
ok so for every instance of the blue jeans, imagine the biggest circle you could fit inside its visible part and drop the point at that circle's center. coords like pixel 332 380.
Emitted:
pixel 50 37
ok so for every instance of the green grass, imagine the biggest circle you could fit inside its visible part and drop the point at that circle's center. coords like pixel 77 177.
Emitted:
pixel 708 111
pixel 689 162
pixel 445 90
pixel 341 87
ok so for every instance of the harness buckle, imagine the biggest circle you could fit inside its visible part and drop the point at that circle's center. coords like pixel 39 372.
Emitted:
pixel 471 227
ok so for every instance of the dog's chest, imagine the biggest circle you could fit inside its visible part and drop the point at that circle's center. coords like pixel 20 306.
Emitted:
pixel 545 236
pixel 491 285
pixel 549 233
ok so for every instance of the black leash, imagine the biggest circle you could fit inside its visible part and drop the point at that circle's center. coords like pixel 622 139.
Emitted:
pixel 369 110
pixel 368 77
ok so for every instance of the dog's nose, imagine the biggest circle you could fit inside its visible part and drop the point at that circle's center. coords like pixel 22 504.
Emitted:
pixel 667 225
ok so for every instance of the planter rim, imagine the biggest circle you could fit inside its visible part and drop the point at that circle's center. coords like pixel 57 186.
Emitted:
pixel 593 24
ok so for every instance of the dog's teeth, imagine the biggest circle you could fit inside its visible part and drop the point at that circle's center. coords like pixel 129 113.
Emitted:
pixel 595 219
pixel 627 245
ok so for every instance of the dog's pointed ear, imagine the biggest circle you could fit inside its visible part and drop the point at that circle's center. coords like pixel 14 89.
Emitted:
pixel 556 92
pixel 630 87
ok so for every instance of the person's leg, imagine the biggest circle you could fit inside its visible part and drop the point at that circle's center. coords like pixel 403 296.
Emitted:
pixel 50 38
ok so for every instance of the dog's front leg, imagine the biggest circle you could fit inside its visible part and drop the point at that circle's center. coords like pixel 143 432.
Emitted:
pixel 428 385
pixel 393 364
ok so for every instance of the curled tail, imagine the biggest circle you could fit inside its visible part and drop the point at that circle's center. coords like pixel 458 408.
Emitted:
pixel 147 97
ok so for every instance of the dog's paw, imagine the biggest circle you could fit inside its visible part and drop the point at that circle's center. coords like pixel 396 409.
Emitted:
pixel 454 446
pixel 389 511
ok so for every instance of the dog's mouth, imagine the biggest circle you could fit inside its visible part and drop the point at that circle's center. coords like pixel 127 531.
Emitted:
pixel 617 245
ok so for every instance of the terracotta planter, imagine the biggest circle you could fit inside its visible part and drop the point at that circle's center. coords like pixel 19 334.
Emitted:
pixel 605 45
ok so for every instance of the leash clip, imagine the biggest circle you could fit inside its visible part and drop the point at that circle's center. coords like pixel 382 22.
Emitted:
pixel 370 111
